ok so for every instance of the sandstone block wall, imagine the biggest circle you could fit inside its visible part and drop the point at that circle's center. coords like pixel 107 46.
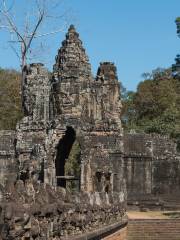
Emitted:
pixel 67 107
pixel 154 229
pixel 72 105
pixel 35 211
pixel 7 156
pixel 151 166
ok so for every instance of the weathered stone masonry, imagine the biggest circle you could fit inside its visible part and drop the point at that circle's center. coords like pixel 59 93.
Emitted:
pixel 70 110
pixel 7 156
pixel 71 103
pixel 152 170
pixel 70 107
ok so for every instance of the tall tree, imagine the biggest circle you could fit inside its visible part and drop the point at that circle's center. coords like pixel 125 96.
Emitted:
pixel 177 21
pixel 23 33
pixel 10 99
pixel 155 106
pixel 176 66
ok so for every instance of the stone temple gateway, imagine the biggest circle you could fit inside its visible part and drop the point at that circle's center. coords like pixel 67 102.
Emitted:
pixel 72 106
pixel 62 169
pixel 65 170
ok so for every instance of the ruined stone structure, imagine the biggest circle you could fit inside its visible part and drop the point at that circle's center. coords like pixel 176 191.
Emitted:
pixel 65 169
pixel 7 156
pixel 72 105
pixel 67 111
pixel 152 171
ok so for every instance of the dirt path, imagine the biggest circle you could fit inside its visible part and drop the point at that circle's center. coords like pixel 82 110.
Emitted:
pixel 149 215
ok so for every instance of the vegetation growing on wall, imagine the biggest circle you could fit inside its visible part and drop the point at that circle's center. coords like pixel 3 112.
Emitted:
pixel 72 166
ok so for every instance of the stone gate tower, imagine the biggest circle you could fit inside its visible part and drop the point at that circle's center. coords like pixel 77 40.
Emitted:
pixel 69 107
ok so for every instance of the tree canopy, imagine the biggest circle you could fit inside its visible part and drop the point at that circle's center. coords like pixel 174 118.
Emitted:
pixel 155 106
pixel 10 98
pixel 178 25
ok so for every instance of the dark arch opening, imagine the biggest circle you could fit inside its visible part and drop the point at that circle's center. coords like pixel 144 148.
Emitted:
pixel 63 151
pixel 107 189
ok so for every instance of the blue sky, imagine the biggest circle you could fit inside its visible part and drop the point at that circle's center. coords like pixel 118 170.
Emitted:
pixel 137 35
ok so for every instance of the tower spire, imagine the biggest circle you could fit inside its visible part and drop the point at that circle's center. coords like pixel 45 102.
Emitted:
pixel 72 61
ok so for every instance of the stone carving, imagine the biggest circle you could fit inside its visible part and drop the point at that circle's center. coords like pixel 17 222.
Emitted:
pixel 35 211
pixel 67 107
pixel 68 111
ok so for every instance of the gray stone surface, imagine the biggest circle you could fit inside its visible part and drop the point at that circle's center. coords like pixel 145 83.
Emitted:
pixel 151 168
pixel 8 164
pixel 63 109
pixel 36 211
pixel 73 119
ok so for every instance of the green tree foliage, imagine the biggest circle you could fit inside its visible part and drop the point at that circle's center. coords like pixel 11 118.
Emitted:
pixel 73 166
pixel 128 111
pixel 155 106
pixel 178 25
pixel 10 99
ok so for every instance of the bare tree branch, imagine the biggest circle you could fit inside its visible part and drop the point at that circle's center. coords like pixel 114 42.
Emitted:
pixel 10 7
pixel 24 38
pixel 12 24
pixel 50 33
pixel 35 30
pixel 15 51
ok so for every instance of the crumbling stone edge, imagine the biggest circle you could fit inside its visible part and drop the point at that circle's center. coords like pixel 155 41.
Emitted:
pixel 101 232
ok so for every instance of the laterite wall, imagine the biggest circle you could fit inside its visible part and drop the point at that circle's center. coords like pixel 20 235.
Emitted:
pixel 154 229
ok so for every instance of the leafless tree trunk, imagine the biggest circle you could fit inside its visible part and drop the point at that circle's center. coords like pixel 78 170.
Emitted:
pixel 21 39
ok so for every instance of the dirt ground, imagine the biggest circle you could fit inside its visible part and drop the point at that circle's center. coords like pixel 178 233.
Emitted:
pixel 153 215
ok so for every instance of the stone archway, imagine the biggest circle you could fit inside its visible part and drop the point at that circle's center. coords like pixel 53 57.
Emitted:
pixel 67 160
